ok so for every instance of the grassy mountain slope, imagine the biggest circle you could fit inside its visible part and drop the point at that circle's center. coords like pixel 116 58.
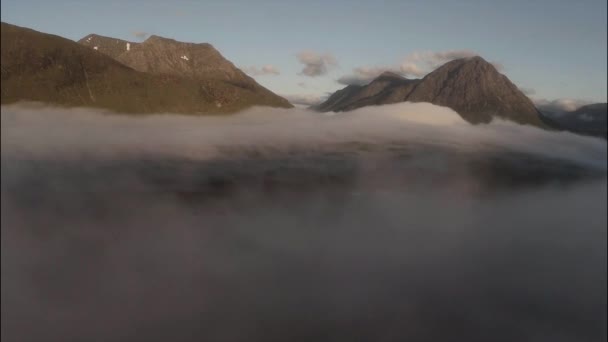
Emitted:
pixel 42 67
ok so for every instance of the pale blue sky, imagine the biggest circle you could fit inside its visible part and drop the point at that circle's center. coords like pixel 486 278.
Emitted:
pixel 556 47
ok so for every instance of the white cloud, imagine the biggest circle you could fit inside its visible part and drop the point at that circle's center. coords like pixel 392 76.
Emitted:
pixel 29 130
pixel 558 106
pixel 315 64
pixel 415 65
pixel 429 60
pixel 499 66
pixel 364 75
pixel 305 99
pixel 140 34
pixel 420 63
pixel 528 91
pixel 261 71
pixel 411 69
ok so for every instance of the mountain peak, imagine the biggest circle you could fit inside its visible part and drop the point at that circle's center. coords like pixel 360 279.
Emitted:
pixel 160 55
pixel 390 74
pixel 471 86
pixel 471 60
pixel 112 47
pixel 475 58
pixel 154 39
pixel 94 36
pixel 475 89
pixel 473 63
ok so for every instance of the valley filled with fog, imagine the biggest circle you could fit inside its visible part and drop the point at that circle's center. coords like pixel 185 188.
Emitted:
pixel 396 222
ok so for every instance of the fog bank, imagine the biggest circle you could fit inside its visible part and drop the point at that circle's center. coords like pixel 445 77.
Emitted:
pixel 395 223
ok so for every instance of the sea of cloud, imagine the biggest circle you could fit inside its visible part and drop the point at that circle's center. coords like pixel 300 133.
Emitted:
pixel 95 249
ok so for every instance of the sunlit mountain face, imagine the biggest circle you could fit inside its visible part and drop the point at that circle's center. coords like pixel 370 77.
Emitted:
pixel 390 223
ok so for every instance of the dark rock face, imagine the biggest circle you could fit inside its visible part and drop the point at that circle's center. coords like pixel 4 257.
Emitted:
pixel 51 69
pixel 470 86
pixel 588 120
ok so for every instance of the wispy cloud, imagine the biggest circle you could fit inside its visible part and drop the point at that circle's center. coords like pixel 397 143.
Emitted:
pixel 528 91
pixel 414 65
pixel 140 34
pixel 421 62
pixel 316 64
pixel 558 106
pixel 261 71
pixel 499 66
pixel 363 75
pixel 305 99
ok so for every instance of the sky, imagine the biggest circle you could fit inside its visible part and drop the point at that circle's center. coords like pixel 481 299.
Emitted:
pixel 551 49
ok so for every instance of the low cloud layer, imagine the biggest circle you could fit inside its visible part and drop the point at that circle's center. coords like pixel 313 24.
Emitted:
pixel 292 225
pixel 85 130
pixel 415 65
pixel 261 71
pixel 316 64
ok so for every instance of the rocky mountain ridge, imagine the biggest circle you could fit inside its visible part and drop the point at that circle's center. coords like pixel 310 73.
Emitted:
pixel 47 68
pixel 470 86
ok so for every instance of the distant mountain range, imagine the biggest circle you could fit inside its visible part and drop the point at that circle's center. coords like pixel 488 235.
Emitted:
pixel 588 120
pixel 158 75
pixel 470 86
pixel 165 75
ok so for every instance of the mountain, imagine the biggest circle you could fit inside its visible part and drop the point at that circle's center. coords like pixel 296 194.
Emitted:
pixel 167 56
pixel 47 68
pixel 588 120
pixel 386 88
pixel 164 56
pixel 470 86
pixel 110 46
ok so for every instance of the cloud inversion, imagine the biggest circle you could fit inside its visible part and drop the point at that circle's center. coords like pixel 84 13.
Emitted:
pixel 289 225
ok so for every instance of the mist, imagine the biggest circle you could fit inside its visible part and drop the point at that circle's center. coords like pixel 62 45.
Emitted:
pixel 388 223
